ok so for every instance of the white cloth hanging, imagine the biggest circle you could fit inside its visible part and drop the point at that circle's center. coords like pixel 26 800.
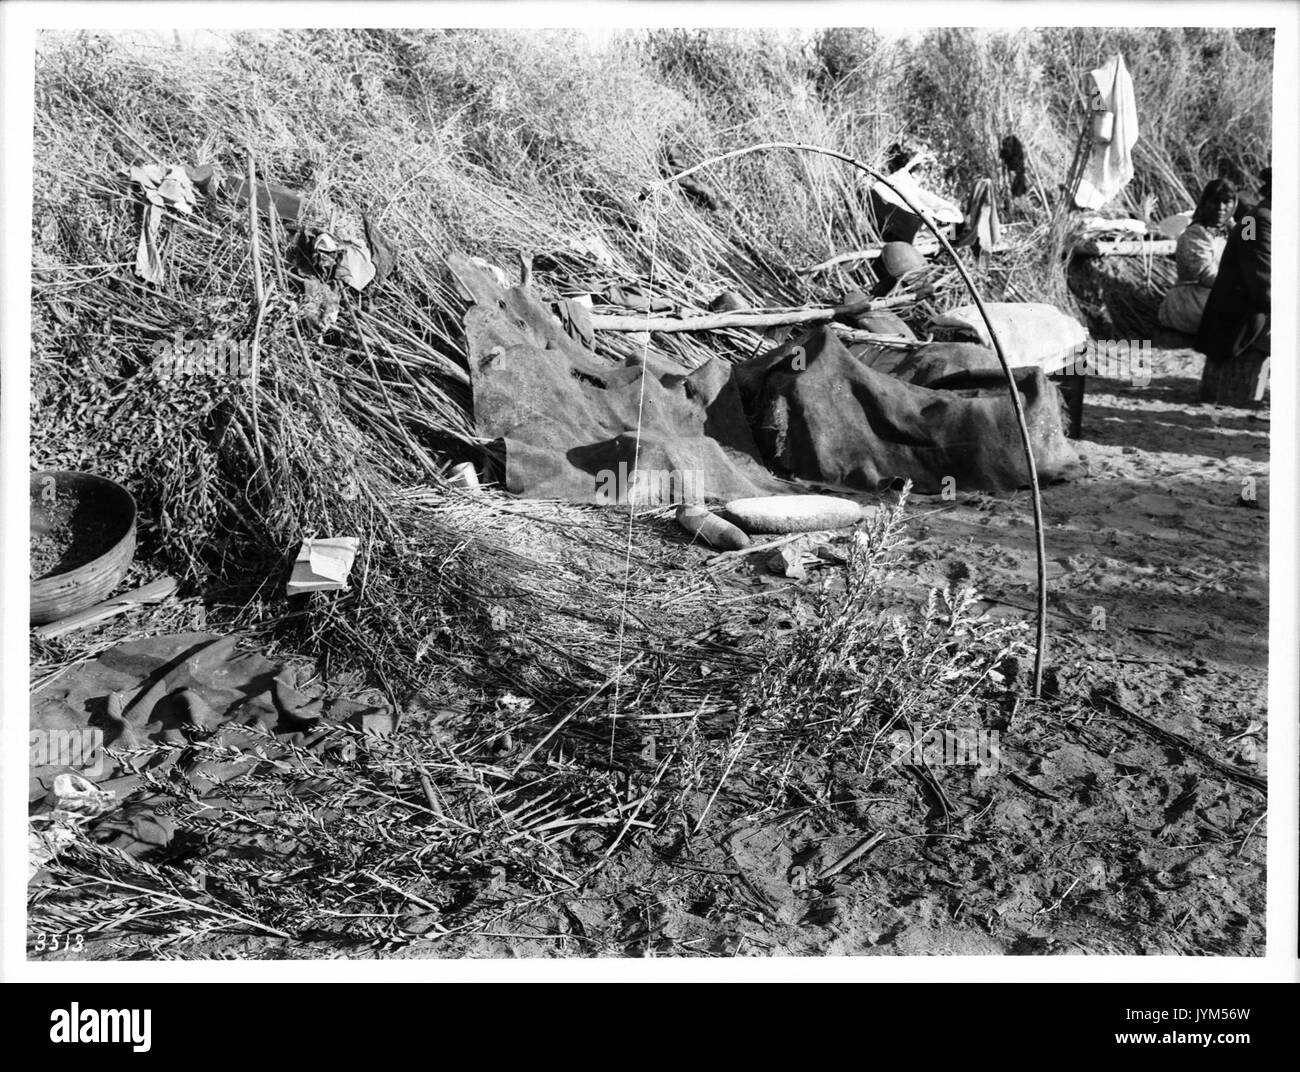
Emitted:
pixel 1110 167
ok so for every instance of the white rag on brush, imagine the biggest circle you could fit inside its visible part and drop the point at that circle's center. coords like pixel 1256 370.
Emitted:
pixel 1111 165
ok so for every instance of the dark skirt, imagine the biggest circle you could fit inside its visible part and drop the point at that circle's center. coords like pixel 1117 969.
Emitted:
pixel 1239 381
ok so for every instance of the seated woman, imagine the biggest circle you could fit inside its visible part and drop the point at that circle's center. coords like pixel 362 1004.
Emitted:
pixel 1200 247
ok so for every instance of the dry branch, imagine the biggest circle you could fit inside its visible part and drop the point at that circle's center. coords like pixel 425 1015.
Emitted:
pixel 855 255
pixel 748 318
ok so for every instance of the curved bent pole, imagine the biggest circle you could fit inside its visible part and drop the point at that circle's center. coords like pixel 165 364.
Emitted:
pixel 1036 496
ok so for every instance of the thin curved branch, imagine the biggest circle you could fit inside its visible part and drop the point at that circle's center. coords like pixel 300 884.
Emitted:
pixel 1036 494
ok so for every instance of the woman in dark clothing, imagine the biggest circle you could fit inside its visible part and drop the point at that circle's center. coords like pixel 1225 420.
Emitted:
pixel 1235 334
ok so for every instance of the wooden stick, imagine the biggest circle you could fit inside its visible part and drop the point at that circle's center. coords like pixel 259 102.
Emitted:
pixel 728 556
pixel 842 258
pixel 738 746
pixel 857 852
pixel 1167 736
pixel 859 255
pixel 848 334
pixel 404 893
pixel 1017 405
pixel 259 289
pixel 154 592
pixel 746 318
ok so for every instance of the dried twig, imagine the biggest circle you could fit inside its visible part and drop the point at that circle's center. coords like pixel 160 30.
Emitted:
pixel 856 853
pixel 754 319
pixel 723 557
pixel 1060 900
pixel 194 905
pixel 255 240
pixel 1168 736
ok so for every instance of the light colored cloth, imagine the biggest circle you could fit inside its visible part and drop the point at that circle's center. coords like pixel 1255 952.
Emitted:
pixel 1094 226
pixel 161 189
pixel 1198 253
pixel 1031 333
pixel 1111 165
pixel 981 222
pixel 936 207
pixel 1197 257
pixel 1183 307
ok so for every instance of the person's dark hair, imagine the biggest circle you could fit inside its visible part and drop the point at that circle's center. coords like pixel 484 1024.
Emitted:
pixel 1217 192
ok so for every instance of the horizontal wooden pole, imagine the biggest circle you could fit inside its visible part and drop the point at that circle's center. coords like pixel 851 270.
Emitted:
pixel 870 253
pixel 754 319
pixel 154 592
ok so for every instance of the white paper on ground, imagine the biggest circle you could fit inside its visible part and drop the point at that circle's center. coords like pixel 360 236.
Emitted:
pixel 323 565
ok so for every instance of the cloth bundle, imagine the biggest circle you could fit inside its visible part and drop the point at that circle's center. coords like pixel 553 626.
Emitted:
pixel 164 693
pixel 872 417
pixel 568 420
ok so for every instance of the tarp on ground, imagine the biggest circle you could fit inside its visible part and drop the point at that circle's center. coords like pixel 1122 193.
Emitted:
pixel 147 700
pixel 871 418
pixel 568 420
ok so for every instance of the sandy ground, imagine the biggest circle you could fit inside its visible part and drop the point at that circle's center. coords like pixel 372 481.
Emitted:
pixel 1098 833
pixel 1162 535
pixel 1159 597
